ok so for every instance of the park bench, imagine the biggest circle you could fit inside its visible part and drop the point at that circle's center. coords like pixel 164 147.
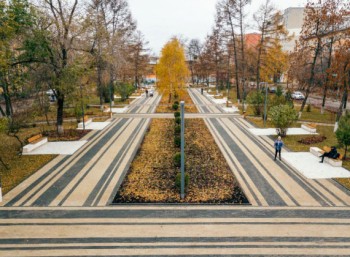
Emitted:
pixel 310 127
pixel 34 142
pixel 87 121
pixel 334 162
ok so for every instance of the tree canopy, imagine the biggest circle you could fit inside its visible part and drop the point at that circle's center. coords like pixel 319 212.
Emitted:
pixel 172 71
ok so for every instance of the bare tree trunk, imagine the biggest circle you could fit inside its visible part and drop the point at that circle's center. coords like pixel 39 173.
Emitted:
pixel 4 164
pixel 259 62
pixel 2 112
pixel 60 103
pixel 242 52
pixel 312 77
pixel 233 35
pixel 327 79
pixel 8 102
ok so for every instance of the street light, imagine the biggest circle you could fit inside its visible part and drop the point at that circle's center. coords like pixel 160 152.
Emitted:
pixel 82 105
pixel 265 105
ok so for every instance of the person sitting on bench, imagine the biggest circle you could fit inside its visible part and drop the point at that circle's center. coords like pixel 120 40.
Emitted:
pixel 331 154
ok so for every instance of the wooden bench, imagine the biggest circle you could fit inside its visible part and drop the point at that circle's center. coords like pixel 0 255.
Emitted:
pixel 34 142
pixel 311 127
pixel 334 162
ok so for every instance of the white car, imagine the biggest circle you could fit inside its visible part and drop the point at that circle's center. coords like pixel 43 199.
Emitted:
pixel 151 92
pixel 297 95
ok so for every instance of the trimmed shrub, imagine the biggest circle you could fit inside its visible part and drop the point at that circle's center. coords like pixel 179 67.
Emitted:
pixel 177 129
pixel 177 160
pixel 176 102
pixel 178 120
pixel 175 107
pixel 177 141
pixel 177 114
pixel 178 180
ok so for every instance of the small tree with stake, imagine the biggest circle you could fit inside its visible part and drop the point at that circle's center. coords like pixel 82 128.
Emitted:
pixel 343 132
pixel 282 116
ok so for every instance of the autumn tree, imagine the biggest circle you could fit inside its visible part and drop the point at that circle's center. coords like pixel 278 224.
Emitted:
pixel 172 71
pixel 321 17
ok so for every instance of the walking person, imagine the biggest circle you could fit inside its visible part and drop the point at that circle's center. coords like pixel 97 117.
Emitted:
pixel 146 93
pixel 278 147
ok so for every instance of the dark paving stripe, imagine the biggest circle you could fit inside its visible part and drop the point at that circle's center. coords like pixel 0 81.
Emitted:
pixel 310 189
pixel 51 193
pixel 331 193
pixel 61 165
pixel 270 195
pixel 171 223
pixel 263 166
pixel 205 255
pixel 127 167
pixel 97 240
pixel 251 191
pixel 111 247
pixel 36 182
pixel 205 109
pixel 57 213
pixel 111 170
pixel 92 166
pixel 100 134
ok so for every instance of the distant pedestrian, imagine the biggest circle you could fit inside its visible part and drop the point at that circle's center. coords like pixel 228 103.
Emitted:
pixel 146 93
pixel 278 147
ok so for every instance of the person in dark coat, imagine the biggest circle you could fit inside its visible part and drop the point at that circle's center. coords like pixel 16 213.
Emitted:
pixel 278 147
pixel 331 154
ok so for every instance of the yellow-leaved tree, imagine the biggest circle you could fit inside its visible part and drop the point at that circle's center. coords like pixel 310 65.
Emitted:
pixel 172 70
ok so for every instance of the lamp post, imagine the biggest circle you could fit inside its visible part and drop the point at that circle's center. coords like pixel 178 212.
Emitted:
pixel 265 105
pixel 243 99
pixel 110 99
pixel 182 104
pixel 82 105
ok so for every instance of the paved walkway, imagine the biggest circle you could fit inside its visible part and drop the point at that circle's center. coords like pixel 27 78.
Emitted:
pixel 63 210
pixel 266 182
pixel 171 116
pixel 93 174
pixel 175 231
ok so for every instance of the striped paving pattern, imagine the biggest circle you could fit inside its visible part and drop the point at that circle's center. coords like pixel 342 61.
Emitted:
pixel 266 182
pixel 175 231
pixel 62 209
pixel 93 174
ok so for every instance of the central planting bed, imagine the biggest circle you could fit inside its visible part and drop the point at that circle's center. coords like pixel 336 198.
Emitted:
pixel 152 175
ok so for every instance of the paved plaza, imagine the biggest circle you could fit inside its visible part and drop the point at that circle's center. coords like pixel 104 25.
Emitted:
pixel 65 208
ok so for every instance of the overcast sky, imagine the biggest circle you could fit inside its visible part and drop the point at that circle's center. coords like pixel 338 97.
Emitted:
pixel 159 20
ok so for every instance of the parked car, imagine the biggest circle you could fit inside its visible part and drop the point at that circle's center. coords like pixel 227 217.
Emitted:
pixel 151 93
pixel 272 89
pixel 297 95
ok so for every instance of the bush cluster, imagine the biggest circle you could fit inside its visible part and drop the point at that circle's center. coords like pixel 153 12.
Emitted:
pixel 178 180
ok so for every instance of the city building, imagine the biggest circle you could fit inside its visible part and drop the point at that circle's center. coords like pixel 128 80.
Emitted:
pixel 293 19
